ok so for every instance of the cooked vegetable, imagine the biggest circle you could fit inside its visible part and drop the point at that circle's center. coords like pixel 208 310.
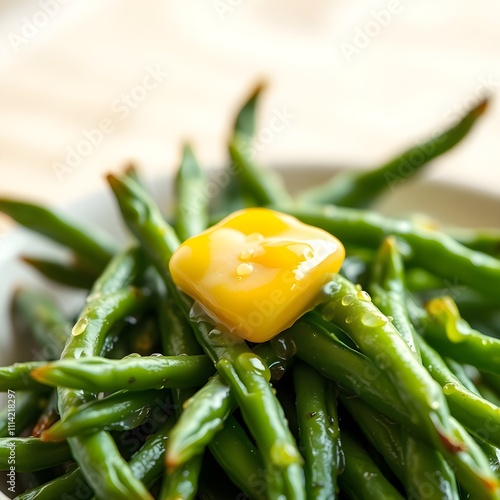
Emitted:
pixel 245 359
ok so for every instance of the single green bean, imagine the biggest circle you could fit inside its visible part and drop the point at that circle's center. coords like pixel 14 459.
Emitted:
pixel 317 432
pixel 35 311
pixel 452 336
pixel 70 274
pixel 191 207
pixel 266 186
pixel 233 442
pixel 203 416
pixel 17 377
pixel 362 187
pixel 427 475
pixel 362 478
pixel 182 482
pixel 120 411
pixel 31 454
pixel 95 374
pixel 381 342
pixel 384 434
pixel 235 194
pixel 388 291
pixel 479 416
pixel 90 245
pixel 430 249
pixel 61 487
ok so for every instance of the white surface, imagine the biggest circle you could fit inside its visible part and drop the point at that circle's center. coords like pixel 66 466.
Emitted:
pixel 412 77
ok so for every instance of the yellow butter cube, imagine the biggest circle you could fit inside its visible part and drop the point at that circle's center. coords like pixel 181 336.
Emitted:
pixel 257 271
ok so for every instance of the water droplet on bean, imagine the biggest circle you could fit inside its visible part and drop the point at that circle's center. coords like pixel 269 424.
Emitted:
pixel 373 320
pixel 347 299
pixel 80 326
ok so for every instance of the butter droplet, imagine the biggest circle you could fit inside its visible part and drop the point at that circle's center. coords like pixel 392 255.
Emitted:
pixel 80 326
pixel 244 269
pixel 308 253
pixel 247 254
pixel 255 237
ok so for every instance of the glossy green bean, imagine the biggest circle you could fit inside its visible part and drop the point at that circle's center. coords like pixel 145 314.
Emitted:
pixel 361 187
pixel 191 207
pixel 317 428
pixel 31 454
pixel 430 249
pixel 90 245
pixel 362 478
pixel 64 273
pixel 135 373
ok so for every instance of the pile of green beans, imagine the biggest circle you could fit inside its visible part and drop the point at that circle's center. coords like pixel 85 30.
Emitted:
pixel 388 389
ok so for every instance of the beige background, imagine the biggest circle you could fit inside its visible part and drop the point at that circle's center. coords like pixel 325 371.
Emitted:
pixel 62 74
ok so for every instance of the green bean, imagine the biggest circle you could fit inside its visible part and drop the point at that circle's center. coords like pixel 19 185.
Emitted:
pixel 235 196
pixel 248 378
pixel 95 374
pixel 450 334
pixel 191 214
pixel 70 274
pixel 148 464
pixel 204 415
pixel 357 374
pixel 266 186
pixel 474 412
pixel 382 343
pixel 482 240
pixel 35 311
pixel 90 245
pixel 233 442
pixel 31 454
pixel 48 417
pixel 463 375
pixel 182 483
pixel 238 366
pixel 119 411
pixel 23 413
pixel 17 377
pixel 385 435
pixel 245 122
pixel 430 249
pixel 317 429
pixel 61 487
pixel 362 187
pixel 111 299
pixel 362 478
pixel 389 291
pixel 427 475
pixel 182 479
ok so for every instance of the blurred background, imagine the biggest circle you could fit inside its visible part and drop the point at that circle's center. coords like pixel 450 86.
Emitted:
pixel 86 87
